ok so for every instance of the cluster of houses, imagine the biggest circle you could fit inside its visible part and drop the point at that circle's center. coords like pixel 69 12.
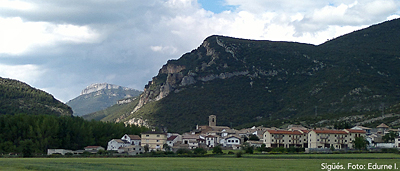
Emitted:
pixel 211 135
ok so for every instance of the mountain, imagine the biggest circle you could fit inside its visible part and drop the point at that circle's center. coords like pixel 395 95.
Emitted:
pixel 114 113
pixel 247 82
pixel 17 97
pixel 98 97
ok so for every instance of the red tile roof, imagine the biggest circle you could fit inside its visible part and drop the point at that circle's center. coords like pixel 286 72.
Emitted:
pixel 329 132
pixel 171 138
pixel 356 131
pixel 134 137
pixel 284 132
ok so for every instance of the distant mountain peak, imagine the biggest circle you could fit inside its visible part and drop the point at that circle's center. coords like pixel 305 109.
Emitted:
pixel 101 86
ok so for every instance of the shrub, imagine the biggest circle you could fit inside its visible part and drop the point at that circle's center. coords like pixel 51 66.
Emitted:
pixel 217 150
pixel 183 151
pixel 239 154
pixel 199 151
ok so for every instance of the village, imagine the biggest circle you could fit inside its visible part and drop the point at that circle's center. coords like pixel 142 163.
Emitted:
pixel 211 135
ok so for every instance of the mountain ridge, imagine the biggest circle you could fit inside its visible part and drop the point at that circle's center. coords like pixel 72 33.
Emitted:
pixel 355 72
pixel 17 97
pixel 100 86
pixel 99 96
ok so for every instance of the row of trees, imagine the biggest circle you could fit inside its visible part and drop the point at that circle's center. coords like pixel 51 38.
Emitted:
pixel 37 133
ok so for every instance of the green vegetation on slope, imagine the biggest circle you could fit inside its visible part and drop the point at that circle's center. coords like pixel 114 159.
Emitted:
pixel 99 100
pixel 112 113
pixel 17 97
pixel 350 75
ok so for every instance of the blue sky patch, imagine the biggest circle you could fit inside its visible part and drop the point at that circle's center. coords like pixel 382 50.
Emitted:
pixel 215 6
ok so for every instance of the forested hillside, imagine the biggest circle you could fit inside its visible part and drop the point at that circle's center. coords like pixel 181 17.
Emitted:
pixel 17 97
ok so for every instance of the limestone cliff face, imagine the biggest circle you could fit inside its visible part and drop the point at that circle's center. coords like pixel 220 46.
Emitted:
pixel 99 96
pixel 171 78
pixel 101 86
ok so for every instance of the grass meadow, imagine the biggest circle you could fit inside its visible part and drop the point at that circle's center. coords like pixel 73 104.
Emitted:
pixel 225 162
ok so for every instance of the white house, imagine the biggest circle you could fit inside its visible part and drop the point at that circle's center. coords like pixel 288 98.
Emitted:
pixel 132 139
pixel 172 140
pixel 231 141
pixel 397 142
pixel 191 141
pixel 211 140
pixel 125 141
pixel 131 150
pixel 93 149
pixel 115 144
pixel 58 151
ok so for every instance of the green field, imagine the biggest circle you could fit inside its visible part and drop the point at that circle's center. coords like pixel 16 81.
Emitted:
pixel 247 162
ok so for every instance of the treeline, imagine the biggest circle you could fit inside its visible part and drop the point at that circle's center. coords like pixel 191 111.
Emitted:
pixel 37 133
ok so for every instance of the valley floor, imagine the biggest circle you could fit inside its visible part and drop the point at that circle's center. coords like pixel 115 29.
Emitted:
pixel 224 162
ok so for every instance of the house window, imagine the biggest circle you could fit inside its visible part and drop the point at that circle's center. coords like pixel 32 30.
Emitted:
pixel 147 135
pixel 236 140
pixel 158 135
pixel 158 140
pixel 289 140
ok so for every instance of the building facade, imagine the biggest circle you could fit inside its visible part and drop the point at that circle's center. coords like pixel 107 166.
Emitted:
pixel 154 140
pixel 284 138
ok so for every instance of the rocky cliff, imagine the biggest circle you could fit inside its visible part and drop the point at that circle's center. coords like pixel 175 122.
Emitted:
pixel 97 97
pixel 100 86
pixel 246 81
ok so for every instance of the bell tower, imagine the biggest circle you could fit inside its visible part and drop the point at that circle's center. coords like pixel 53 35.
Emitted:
pixel 212 120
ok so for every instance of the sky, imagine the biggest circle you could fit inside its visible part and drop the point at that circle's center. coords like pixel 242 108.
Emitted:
pixel 62 46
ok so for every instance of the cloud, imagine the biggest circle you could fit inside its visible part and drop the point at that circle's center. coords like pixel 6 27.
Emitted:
pixel 69 44
pixel 29 73
pixel 18 37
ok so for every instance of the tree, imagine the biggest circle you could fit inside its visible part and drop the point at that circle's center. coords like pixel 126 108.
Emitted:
pixel 166 147
pixel 262 148
pixel 199 151
pixel 183 151
pixel 146 148
pixel 27 149
pixel 254 138
pixel 389 137
pixel 248 148
pixel 217 150
pixel 360 143
pixel 332 148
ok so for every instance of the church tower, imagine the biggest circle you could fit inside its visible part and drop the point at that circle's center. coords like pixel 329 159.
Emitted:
pixel 212 120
